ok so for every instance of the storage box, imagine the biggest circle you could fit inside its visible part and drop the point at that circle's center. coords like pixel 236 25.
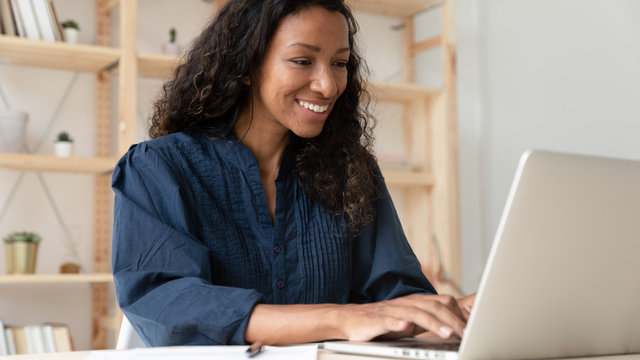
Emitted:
pixel 13 126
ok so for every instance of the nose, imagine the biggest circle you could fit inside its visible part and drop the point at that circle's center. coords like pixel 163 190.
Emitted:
pixel 324 82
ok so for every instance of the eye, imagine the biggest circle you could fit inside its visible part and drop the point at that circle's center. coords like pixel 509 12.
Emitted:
pixel 301 62
pixel 342 64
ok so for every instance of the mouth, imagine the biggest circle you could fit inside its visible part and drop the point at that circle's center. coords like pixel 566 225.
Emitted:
pixel 319 109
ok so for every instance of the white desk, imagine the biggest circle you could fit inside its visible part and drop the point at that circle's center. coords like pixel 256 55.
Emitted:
pixel 322 355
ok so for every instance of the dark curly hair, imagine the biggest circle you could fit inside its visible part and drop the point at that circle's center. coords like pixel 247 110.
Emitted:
pixel 208 91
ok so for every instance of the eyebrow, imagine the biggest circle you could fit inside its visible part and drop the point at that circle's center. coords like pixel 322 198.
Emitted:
pixel 316 48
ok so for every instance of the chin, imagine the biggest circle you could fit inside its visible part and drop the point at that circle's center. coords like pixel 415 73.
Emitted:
pixel 307 133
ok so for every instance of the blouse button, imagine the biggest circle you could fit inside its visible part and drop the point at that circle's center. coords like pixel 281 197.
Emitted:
pixel 276 249
pixel 280 284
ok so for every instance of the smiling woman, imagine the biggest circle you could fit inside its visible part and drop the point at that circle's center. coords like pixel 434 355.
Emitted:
pixel 257 212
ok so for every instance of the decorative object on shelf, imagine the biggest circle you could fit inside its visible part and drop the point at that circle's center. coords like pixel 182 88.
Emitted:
pixel 13 126
pixel 63 145
pixel 70 260
pixel 21 249
pixel 172 47
pixel 70 30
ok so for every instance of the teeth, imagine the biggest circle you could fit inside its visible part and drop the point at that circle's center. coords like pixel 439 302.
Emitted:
pixel 312 107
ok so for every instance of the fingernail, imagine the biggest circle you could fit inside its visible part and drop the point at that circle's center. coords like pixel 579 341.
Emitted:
pixel 446 331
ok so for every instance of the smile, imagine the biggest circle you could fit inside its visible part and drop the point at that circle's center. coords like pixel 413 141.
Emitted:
pixel 315 108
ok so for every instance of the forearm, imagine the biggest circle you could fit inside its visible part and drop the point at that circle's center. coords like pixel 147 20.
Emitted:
pixel 289 324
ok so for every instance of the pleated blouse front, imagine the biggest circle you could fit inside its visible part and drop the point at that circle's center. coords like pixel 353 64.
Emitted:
pixel 194 248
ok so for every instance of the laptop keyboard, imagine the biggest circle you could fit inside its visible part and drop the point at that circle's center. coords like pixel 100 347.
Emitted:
pixel 448 346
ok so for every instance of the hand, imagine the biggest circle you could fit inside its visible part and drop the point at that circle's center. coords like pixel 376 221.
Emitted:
pixel 403 317
pixel 466 304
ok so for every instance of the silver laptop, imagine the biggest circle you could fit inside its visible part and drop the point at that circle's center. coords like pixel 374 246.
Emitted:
pixel 563 275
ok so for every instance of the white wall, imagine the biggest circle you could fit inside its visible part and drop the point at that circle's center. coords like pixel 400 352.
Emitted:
pixel 560 75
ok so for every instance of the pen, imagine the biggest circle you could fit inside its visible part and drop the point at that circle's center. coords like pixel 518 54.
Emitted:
pixel 255 349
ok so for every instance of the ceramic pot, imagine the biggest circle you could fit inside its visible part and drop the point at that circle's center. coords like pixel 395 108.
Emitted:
pixel 70 35
pixel 21 257
pixel 63 148
pixel 171 48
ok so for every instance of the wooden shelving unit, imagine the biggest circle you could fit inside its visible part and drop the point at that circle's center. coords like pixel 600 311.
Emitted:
pixel 57 278
pixel 398 8
pixel 57 55
pixel 49 163
pixel 430 188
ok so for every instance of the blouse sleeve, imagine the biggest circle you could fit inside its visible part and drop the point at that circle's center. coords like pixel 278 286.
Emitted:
pixel 163 274
pixel 384 266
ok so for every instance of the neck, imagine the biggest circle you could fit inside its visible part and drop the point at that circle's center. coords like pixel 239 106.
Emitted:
pixel 266 143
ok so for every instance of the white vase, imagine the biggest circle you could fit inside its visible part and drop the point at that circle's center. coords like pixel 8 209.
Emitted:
pixel 171 48
pixel 63 148
pixel 71 35
pixel 12 131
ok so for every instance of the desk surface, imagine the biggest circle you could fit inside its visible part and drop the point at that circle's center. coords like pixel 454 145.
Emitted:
pixel 322 355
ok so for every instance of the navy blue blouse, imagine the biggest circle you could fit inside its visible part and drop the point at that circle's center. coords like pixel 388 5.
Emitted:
pixel 194 248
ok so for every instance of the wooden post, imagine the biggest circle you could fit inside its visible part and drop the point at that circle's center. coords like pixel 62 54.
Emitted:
pixel 445 142
pixel 409 66
pixel 128 75
pixel 101 212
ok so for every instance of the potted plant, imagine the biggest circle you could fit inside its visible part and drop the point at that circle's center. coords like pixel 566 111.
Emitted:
pixel 63 145
pixel 70 31
pixel 21 249
pixel 172 47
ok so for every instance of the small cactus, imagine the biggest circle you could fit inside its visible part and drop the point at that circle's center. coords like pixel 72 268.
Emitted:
pixel 64 136
pixel 172 35
pixel 70 24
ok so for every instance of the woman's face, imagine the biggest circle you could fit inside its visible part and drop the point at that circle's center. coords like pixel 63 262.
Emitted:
pixel 303 73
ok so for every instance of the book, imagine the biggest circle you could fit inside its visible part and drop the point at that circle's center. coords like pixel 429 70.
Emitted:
pixel 11 342
pixel 28 18
pixel 57 28
pixel 4 348
pixel 41 12
pixel 35 341
pixel 20 340
pixel 17 19
pixel 1 22
pixel 49 340
pixel 8 24
pixel 62 338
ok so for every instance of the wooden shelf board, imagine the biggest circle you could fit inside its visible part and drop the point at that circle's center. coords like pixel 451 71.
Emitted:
pixel 158 66
pixel 400 92
pixel 48 163
pixel 408 178
pixel 56 55
pixel 398 8
pixel 56 278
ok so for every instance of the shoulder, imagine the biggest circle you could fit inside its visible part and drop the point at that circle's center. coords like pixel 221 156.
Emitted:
pixel 170 154
pixel 175 147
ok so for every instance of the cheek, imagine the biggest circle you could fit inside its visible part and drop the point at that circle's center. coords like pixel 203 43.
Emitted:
pixel 341 83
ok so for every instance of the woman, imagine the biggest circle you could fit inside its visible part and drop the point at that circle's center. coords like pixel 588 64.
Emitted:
pixel 257 212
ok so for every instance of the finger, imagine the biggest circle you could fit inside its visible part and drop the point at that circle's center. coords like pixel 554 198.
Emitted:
pixel 453 320
pixel 445 308
pixel 434 324
pixel 432 316
pixel 452 304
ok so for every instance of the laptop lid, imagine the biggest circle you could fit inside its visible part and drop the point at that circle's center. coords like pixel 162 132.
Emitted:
pixel 562 278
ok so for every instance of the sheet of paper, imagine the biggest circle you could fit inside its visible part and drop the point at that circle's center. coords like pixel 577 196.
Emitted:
pixel 297 352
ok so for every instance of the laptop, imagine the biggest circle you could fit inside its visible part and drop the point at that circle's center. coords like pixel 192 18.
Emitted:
pixel 563 275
